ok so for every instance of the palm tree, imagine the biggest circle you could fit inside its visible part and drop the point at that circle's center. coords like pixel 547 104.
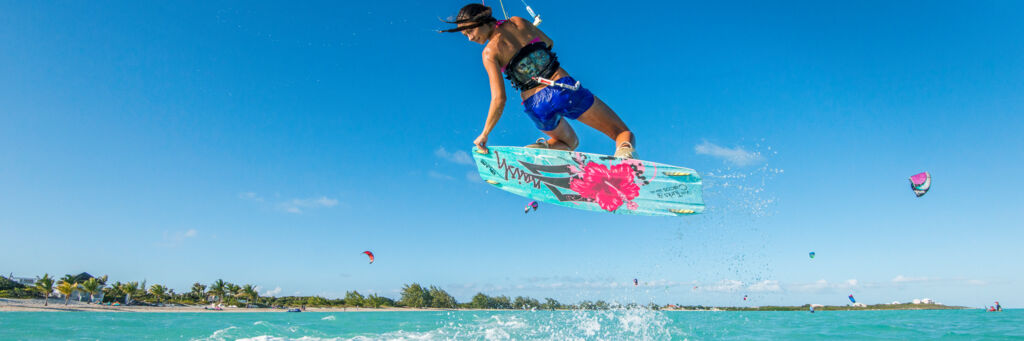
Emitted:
pixel 233 289
pixel 69 279
pixel 113 290
pixel 92 286
pixel 159 291
pixel 67 286
pixel 198 290
pixel 45 286
pixel 218 289
pixel 250 294
pixel 129 289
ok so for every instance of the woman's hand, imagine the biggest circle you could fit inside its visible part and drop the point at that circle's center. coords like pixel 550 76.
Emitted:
pixel 481 142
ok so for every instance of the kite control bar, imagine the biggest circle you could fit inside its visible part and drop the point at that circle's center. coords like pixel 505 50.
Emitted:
pixel 549 82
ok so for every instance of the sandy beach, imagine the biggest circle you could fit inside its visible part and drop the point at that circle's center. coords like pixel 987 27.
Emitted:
pixel 11 304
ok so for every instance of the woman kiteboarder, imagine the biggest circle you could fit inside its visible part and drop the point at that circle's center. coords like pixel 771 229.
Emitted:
pixel 523 53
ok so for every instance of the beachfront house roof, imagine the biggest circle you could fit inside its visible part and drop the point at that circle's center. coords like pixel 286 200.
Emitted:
pixel 82 277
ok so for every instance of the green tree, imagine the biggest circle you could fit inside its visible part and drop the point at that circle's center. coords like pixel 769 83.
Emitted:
pixel 525 303
pixel 480 301
pixel 550 304
pixel 113 292
pixel 413 295
pixel 355 299
pixel 375 301
pixel 93 287
pixel 198 291
pixel 316 301
pixel 70 279
pixel 441 299
pixel 158 291
pixel 233 289
pixel 45 286
pixel 67 286
pixel 129 289
pixel 501 302
pixel 8 284
pixel 218 289
pixel 251 295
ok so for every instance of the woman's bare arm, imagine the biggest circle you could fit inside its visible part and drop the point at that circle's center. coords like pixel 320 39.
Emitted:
pixel 498 96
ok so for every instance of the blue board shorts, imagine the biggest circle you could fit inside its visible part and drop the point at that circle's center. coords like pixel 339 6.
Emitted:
pixel 547 107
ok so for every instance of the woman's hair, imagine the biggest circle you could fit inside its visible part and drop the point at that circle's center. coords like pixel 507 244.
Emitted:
pixel 477 14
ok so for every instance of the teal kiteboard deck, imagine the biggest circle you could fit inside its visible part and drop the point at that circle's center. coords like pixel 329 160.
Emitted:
pixel 591 181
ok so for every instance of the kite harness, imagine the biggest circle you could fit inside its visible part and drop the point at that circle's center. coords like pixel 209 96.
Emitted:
pixel 532 66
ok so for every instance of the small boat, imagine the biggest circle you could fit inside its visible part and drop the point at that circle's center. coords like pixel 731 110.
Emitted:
pixel 294 310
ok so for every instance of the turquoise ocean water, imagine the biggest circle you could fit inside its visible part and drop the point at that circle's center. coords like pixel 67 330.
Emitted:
pixel 630 324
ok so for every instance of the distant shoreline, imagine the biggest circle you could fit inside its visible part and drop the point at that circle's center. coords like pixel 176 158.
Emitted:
pixel 36 304
pixel 57 305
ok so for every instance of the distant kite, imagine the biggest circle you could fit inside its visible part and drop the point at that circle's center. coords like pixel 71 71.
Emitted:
pixel 744 297
pixel 532 204
pixel 920 183
pixel 635 282
pixel 852 300
pixel 811 254
pixel 370 254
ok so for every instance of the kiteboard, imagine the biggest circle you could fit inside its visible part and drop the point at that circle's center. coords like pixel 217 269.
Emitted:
pixel 592 181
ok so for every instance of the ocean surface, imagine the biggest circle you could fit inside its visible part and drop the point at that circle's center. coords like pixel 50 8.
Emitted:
pixel 629 324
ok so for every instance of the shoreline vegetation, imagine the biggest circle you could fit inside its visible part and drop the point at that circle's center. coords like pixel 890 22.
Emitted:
pixel 83 292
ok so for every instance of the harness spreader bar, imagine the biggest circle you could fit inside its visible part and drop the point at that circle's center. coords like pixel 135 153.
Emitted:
pixel 549 82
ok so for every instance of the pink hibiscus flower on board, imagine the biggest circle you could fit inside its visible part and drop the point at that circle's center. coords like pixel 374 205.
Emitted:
pixel 610 188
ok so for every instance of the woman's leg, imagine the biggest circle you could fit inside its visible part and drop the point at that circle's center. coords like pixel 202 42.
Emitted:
pixel 602 118
pixel 563 137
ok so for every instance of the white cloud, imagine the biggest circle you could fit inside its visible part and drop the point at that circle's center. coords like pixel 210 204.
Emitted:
pixel 175 238
pixel 902 279
pixel 275 292
pixel 819 285
pixel 765 285
pixel 297 205
pixel 459 157
pixel 737 156
pixel 823 285
pixel 437 175
pixel 725 285
pixel 250 196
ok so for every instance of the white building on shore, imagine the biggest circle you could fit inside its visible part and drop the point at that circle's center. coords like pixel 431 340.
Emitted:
pixel 26 281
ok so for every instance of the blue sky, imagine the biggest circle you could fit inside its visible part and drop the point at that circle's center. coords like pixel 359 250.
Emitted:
pixel 272 143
